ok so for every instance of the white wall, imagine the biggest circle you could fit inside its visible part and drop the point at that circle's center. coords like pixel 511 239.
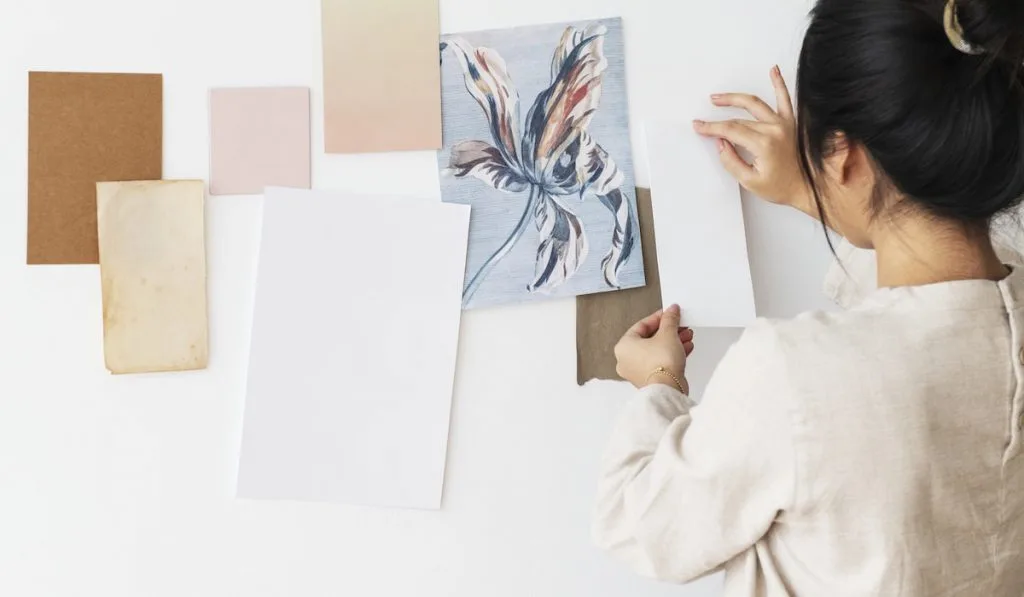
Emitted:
pixel 124 487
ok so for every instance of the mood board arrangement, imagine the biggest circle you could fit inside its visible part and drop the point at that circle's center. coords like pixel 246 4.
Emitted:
pixel 538 201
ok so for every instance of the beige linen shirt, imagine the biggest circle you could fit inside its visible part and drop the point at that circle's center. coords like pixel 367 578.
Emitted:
pixel 873 451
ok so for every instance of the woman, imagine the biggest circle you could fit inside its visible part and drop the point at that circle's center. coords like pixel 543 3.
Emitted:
pixel 876 451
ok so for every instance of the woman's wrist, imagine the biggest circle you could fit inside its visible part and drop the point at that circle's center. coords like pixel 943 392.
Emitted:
pixel 662 376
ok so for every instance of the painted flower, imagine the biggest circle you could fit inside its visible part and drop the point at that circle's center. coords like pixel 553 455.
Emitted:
pixel 550 156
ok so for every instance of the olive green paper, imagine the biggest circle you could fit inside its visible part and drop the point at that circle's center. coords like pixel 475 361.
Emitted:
pixel 601 319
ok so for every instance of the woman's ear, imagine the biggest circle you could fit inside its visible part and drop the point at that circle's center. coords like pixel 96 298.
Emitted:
pixel 850 169
pixel 837 164
pixel 848 163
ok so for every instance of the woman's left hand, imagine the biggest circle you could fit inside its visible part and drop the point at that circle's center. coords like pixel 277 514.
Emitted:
pixel 771 140
pixel 652 343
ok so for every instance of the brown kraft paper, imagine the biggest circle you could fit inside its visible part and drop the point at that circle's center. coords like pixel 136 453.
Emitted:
pixel 85 128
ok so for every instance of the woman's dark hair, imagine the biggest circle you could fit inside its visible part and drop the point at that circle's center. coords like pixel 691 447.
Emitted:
pixel 943 128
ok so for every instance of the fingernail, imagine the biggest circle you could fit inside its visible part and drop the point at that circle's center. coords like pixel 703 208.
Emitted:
pixel 716 96
pixel 674 310
pixel 721 145
pixel 776 71
pixel 698 123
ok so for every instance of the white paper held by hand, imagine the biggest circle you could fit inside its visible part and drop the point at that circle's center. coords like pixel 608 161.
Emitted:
pixel 354 342
pixel 698 221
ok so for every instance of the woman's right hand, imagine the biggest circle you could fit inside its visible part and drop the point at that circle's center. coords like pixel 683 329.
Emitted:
pixel 655 350
pixel 771 139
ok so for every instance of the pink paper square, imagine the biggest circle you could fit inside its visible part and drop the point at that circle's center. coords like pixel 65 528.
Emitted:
pixel 259 137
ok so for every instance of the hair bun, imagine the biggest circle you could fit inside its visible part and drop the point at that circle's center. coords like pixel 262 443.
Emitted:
pixel 995 25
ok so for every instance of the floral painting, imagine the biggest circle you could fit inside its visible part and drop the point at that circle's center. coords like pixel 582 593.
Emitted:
pixel 536 139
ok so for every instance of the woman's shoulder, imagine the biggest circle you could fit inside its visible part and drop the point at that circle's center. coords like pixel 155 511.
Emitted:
pixel 817 347
pixel 813 330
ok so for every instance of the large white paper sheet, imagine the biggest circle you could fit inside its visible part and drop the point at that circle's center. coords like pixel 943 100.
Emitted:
pixel 354 342
pixel 698 221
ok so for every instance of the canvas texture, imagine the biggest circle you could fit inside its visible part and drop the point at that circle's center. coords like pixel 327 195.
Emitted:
pixel 536 137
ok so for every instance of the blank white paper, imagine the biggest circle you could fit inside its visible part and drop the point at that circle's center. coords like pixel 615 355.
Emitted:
pixel 354 342
pixel 698 223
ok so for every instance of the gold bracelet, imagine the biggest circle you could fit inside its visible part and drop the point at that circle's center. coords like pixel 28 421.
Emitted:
pixel 664 371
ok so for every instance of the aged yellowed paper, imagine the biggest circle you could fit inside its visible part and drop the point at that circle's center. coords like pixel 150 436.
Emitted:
pixel 153 265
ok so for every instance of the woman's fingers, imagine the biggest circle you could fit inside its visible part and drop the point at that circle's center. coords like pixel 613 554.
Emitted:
pixel 646 327
pixel 785 102
pixel 670 320
pixel 686 338
pixel 734 164
pixel 751 103
pixel 773 171
pixel 738 132
pixel 685 335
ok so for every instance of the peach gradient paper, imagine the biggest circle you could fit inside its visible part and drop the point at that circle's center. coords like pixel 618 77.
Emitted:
pixel 259 137
pixel 382 75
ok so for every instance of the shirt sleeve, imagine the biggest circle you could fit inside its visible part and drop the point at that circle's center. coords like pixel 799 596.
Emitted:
pixel 686 488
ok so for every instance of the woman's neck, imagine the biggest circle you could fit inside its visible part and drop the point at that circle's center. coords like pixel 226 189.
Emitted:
pixel 919 251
